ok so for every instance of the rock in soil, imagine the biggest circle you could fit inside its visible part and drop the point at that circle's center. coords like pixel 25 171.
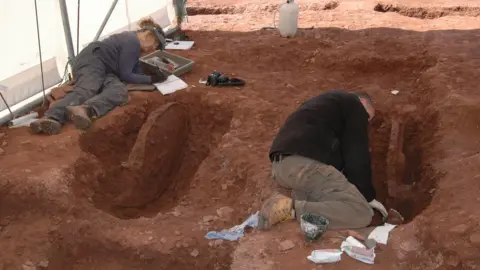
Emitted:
pixel 176 214
pixel 194 253
pixel 2 151
pixel 286 245
pixel 475 238
pixel 394 217
pixel 208 218
pixel 225 212
pixel 43 264
pixel 28 265
pixel 216 243
pixel 459 229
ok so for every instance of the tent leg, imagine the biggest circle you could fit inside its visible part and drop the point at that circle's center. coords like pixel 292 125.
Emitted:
pixel 107 17
pixel 68 33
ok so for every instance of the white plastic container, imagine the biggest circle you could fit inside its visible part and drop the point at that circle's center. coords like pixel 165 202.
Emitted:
pixel 288 24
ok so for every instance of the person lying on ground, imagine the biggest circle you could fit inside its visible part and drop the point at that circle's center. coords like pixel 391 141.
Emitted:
pixel 98 72
pixel 322 155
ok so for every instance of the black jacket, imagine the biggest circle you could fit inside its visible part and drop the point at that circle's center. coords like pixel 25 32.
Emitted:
pixel 331 128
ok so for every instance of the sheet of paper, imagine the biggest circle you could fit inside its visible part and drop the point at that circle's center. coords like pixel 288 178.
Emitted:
pixel 171 85
pixel 180 45
pixel 380 233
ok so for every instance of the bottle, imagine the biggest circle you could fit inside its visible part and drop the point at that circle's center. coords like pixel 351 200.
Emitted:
pixel 288 24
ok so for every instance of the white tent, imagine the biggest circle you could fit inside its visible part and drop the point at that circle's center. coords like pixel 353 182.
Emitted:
pixel 58 22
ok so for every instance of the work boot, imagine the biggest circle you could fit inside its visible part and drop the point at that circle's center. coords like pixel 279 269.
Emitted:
pixel 80 116
pixel 46 125
pixel 276 209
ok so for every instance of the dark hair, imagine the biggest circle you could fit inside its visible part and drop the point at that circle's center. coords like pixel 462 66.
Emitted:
pixel 365 96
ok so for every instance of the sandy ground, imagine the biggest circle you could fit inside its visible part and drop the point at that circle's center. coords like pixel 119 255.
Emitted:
pixel 69 202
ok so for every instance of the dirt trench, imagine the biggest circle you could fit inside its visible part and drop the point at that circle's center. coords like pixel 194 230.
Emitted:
pixel 400 144
pixel 428 13
pixel 142 161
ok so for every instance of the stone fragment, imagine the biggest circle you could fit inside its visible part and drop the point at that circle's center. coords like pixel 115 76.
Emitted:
pixel 28 265
pixel 459 229
pixel 43 264
pixel 286 245
pixel 194 253
pixel 475 238
pixel 225 212
pixel 208 218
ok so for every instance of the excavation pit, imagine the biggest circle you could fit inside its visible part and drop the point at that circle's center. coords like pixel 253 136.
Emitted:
pixel 402 174
pixel 138 156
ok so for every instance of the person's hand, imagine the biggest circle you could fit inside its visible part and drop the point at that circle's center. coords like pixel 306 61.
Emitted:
pixel 158 77
pixel 379 206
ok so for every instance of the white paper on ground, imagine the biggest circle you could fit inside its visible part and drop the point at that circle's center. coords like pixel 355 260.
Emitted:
pixel 380 233
pixel 171 85
pixel 180 45
pixel 361 254
pixel 325 256
pixel 351 241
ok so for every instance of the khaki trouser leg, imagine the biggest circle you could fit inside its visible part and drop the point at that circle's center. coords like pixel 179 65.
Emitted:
pixel 322 190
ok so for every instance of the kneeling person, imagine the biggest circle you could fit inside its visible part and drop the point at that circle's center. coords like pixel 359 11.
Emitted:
pixel 322 154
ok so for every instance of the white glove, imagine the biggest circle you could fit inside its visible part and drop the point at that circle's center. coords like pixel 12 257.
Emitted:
pixel 379 206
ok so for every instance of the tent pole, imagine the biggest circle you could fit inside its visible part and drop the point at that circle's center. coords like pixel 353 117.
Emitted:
pixel 107 17
pixel 68 33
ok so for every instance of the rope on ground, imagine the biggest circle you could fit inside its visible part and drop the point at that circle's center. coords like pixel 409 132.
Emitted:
pixel 40 53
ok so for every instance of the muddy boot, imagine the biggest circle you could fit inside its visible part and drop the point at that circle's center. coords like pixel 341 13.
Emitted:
pixel 276 209
pixel 45 126
pixel 80 116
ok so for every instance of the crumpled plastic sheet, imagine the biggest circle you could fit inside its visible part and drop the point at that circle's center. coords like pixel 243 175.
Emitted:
pixel 236 232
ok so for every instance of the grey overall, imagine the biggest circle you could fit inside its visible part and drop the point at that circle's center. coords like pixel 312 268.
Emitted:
pixel 95 86
pixel 322 190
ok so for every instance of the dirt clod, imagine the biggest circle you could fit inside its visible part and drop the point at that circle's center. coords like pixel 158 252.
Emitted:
pixel 225 212
pixel 475 238
pixel 286 245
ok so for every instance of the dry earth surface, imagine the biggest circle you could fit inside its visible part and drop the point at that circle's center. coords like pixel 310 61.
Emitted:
pixel 143 186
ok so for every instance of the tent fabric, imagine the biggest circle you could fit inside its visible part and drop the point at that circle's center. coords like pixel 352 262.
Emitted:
pixel 20 69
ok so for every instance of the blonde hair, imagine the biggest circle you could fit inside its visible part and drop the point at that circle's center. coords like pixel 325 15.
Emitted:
pixel 148 21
